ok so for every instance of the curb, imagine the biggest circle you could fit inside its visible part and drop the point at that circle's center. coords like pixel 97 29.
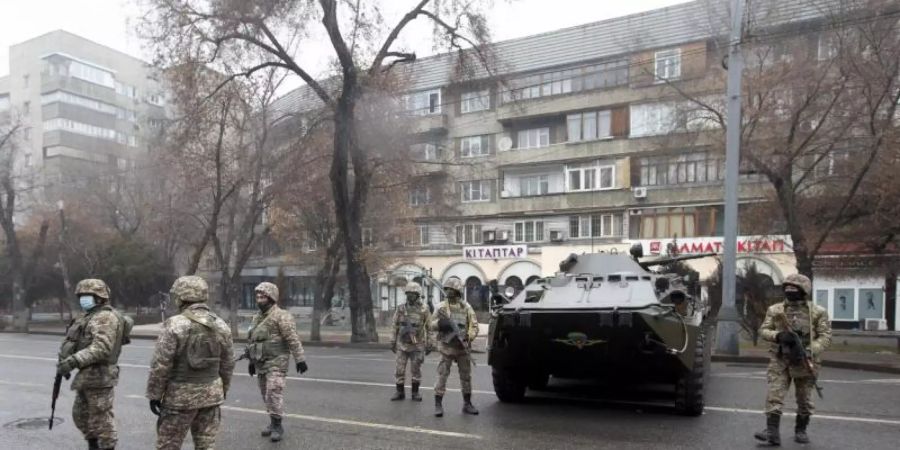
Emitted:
pixel 868 367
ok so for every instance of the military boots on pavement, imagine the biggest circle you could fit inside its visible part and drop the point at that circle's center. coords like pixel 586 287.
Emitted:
pixel 267 431
pixel 800 429
pixel 468 407
pixel 438 406
pixel 400 394
pixel 772 434
pixel 92 444
pixel 277 430
pixel 416 397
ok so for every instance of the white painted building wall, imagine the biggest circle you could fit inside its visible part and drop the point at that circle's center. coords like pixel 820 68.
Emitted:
pixel 850 299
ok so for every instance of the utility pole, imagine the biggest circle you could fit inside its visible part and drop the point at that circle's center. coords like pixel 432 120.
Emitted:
pixel 728 329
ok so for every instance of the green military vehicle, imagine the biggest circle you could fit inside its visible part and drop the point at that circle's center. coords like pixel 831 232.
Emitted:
pixel 602 316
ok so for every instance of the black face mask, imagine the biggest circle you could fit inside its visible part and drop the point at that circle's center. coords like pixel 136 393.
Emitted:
pixel 794 296
pixel 264 306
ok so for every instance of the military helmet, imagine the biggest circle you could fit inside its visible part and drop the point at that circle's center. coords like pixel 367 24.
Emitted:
pixel 801 281
pixel 189 289
pixel 454 283
pixel 269 289
pixel 413 287
pixel 93 286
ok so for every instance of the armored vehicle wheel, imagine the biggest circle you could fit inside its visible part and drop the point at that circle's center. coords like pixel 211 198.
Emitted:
pixel 689 387
pixel 507 386
pixel 538 380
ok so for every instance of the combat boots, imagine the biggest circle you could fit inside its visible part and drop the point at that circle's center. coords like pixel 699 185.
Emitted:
pixel 468 407
pixel 267 431
pixel 438 406
pixel 772 434
pixel 800 436
pixel 400 394
pixel 416 397
pixel 277 430
pixel 93 445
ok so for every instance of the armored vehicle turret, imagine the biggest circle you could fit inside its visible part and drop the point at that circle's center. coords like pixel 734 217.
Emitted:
pixel 602 316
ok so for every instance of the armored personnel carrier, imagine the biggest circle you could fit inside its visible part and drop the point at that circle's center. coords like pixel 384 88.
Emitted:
pixel 602 316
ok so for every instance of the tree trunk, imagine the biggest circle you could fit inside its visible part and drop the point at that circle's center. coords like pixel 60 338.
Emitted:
pixel 325 281
pixel 64 268
pixel 20 309
pixel 231 299
pixel 787 202
pixel 890 299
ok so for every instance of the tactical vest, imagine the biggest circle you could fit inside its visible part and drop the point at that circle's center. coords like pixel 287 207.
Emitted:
pixel 200 360
pixel 458 315
pixel 261 345
pixel 76 339
pixel 411 316
pixel 799 319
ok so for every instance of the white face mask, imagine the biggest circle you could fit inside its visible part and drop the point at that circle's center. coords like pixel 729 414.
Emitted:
pixel 87 302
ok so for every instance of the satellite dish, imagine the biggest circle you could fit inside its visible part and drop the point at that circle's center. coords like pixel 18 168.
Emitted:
pixel 505 143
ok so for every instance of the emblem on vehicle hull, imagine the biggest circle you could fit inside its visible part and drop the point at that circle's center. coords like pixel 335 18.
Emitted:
pixel 579 340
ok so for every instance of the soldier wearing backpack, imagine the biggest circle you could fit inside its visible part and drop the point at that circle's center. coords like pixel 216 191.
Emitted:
pixel 92 345
pixel 191 369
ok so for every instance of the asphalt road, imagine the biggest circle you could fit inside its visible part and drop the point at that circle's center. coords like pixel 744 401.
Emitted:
pixel 342 403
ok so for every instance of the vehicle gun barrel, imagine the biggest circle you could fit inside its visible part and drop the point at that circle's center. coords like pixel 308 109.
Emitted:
pixel 664 261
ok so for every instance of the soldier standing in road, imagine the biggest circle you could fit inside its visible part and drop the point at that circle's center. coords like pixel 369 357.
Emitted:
pixel 809 323
pixel 272 340
pixel 191 369
pixel 412 339
pixel 454 347
pixel 92 345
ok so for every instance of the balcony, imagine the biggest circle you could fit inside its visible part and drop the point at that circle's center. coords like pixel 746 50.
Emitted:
pixel 50 83
pixel 432 123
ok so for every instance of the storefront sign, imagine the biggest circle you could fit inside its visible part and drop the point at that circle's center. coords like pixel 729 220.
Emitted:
pixel 746 244
pixel 496 252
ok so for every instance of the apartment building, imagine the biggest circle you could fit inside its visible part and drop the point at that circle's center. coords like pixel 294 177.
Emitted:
pixel 86 109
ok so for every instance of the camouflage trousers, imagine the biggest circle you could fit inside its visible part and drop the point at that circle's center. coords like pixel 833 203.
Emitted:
pixel 271 386
pixel 415 359
pixel 92 413
pixel 463 362
pixel 173 425
pixel 779 380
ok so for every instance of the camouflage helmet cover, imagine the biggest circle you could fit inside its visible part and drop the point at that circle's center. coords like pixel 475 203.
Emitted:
pixel 413 287
pixel 190 289
pixel 269 289
pixel 454 283
pixel 801 281
pixel 93 286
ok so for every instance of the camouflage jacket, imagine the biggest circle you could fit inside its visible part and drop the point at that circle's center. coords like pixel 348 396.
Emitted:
pixel 463 314
pixel 418 318
pixel 170 346
pixel 272 340
pixel 809 320
pixel 97 342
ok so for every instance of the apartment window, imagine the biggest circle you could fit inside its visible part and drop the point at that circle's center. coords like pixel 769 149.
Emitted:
pixel 667 64
pixel 669 223
pixel 422 233
pixel 310 243
pixel 155 99
pixel 419 196
pixel 468 234
pixel 84 102
pixel 475 101
pixel 583 78
pixel 472 146
pixel 132 141
pixel 533 138
pixel 26 108
pixel 423 103
pixel 827 48
pixel 595 225
pixel 91 74
pixel 126 90
pixel 695 167
pixel 651 119
pixel 589 177
pixel 534 185
pixel 4 102
pixel 529 231
pixel 476 191
pixel 368 237
pixel 26 134
pixel 25 81
pixel 80 128
pixel 28 159
pixel 589 125
pixel 425 152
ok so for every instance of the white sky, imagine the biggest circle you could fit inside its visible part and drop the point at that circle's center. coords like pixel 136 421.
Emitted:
pixel 112 22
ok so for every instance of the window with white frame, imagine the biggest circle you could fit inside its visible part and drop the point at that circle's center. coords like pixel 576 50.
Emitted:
pixel 588 126
pixel 310 243
pixel 368 237
pixel 667 64
pixel 468 234
pixel 126 90
pixel 91 74
pixel 422 234
pixel 595 225
pixel 72 99
pixel 590 177
pixel 472 146
pixel 423 103
pixel 651 119
pixel 426 151
pixel 476 191
pixel 828 47
pixel 79 128
pixel 419 196
pixel 528 231
pixel 534 185
pixel 475 101
pixel 4 102
pixel 533 138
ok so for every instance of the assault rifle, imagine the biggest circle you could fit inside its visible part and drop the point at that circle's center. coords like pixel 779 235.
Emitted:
pixel 245 355
pixel 408 329
pixel 456 335
pixel 57 383
pixel 796 352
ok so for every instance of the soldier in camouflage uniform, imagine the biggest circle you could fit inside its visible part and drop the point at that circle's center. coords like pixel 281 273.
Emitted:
pixel 92 345
pixel 272 340
pixel 458 311
pixel 191 369
pixel 412 339
pixel 811 323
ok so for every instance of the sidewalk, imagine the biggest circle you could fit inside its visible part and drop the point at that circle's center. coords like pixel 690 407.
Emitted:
pixel 872 362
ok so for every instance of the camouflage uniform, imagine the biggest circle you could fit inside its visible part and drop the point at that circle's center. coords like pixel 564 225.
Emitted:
pixel 272 340
pixel 813 326
pixel 459 311
pixel 93 344
pixel 191 369
pixel 412 345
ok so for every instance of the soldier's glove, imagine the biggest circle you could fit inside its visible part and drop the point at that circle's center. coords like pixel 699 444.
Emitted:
pixel 155 406
pixel 302 367
pixel 67 365
pixel 252 369
pixel 428 350
pixel 445 325
pixel 393 347
pixel 786 338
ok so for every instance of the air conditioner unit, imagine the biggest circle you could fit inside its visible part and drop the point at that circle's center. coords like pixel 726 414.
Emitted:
pixel 505 194
pixel 556 235
pixel 635 212
pixel 640 192
pixel 875 325
pixel 489 236
pixel 502 236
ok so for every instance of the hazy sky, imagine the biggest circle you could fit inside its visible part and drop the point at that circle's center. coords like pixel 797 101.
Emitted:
pixel 111 22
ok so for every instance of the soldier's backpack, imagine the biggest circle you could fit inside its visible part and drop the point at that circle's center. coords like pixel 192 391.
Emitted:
pixel 203 346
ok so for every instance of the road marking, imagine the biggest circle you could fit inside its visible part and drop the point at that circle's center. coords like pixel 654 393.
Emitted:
pixel 19 383
pixel 818 416
pixel 331 420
